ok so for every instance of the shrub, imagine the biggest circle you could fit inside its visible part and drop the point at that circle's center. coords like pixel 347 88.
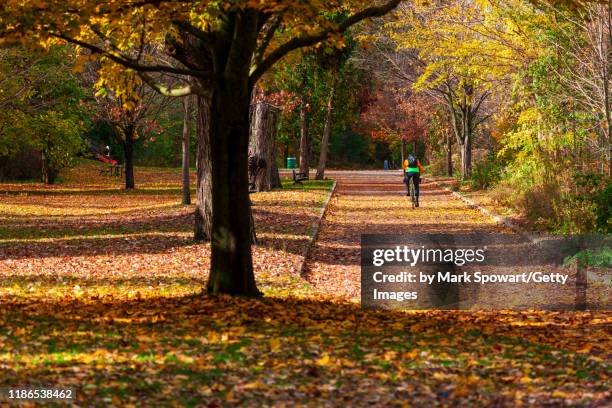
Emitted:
pixel 601 258
pixel 438 165
pixel 536 202
pixel 485 173
pixel 587 208
pixel 24 164
pixel 568 204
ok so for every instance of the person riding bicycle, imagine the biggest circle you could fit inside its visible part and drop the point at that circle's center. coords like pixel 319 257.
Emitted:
pixel 412 170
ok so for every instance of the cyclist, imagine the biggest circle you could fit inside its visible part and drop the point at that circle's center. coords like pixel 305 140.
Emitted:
pixel 412 170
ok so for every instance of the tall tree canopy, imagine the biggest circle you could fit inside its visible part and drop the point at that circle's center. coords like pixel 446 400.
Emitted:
pixel 225 47
pixel 41 109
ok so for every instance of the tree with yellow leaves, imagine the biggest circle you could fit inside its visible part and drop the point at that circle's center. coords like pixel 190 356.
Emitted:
pixel 225 47
pixel 458 52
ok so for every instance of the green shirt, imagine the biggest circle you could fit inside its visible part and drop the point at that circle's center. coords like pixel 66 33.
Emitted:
pixel 412 169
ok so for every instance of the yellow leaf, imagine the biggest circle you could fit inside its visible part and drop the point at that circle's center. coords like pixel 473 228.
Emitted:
pixel 213 337
pixel 585 349
pixel 323 360
pixel 275 345
pixel 389 355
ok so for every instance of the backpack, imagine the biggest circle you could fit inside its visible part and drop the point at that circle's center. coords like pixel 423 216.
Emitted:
pixel 412 161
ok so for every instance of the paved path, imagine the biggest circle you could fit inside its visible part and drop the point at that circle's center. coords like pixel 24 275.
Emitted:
pixel 375 202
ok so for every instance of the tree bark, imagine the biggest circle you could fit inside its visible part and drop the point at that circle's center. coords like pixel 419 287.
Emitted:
pixel 285 154
pixel 403 151
pixel 327 128
pixel 462 120
pixel 231 263
pixel 449 155
pixel 466 157
pixel 276 180
pixel 263 126
pixel 128 154
pixel 45 167
pixel 203 210
pixel 186 137
pixel 48 172
pixel 304 131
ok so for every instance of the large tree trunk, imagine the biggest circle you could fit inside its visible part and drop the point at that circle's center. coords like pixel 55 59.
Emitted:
pixel 304 134
pixel 263 126
pixel 231 269
pixel 203 210
pixel 128 154
pixel 449 155
pixel 327 128
pixel 185 144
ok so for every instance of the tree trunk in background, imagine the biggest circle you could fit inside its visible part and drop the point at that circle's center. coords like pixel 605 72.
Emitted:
pixel 186 138
pixel 263 126
pixel 286 154
pixel 128 154
pixel 414 147
pixel 403 151
pixel 275 182
pixel 203 210
pixel 304 134
pixel 449 155
pixel 45 167
pixel 462 128
pixel 466 145
pixel 327 129
pixel 466 157
pixel 48 172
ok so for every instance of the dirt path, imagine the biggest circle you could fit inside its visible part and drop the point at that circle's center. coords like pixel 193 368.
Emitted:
pixel 375 202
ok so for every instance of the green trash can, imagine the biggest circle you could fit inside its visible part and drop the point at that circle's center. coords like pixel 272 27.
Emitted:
pixel 291 163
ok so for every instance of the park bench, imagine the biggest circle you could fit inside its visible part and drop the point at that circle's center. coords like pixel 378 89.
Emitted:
pixel 299 177
pixel 109 166
pixel 111 170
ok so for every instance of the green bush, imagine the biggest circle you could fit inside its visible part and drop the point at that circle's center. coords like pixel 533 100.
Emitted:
pixel 567 204
pixel 601 258
pixel 439 167
pixel 587 208
pixel 485 173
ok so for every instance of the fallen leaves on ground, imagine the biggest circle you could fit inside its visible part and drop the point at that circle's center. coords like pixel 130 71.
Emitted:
pixel 232 351
pixel 375 203
pixel 95 238
pixel 101 296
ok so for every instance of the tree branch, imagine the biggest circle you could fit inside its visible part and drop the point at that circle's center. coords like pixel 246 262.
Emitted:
pixel 130 63
pixel 271 28
pixel 299 42
pixel 166 91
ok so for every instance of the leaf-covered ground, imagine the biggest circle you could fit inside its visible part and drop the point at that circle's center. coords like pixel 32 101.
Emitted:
pixel 99 290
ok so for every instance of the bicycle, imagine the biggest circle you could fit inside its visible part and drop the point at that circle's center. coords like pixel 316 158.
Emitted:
pixel 411 192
